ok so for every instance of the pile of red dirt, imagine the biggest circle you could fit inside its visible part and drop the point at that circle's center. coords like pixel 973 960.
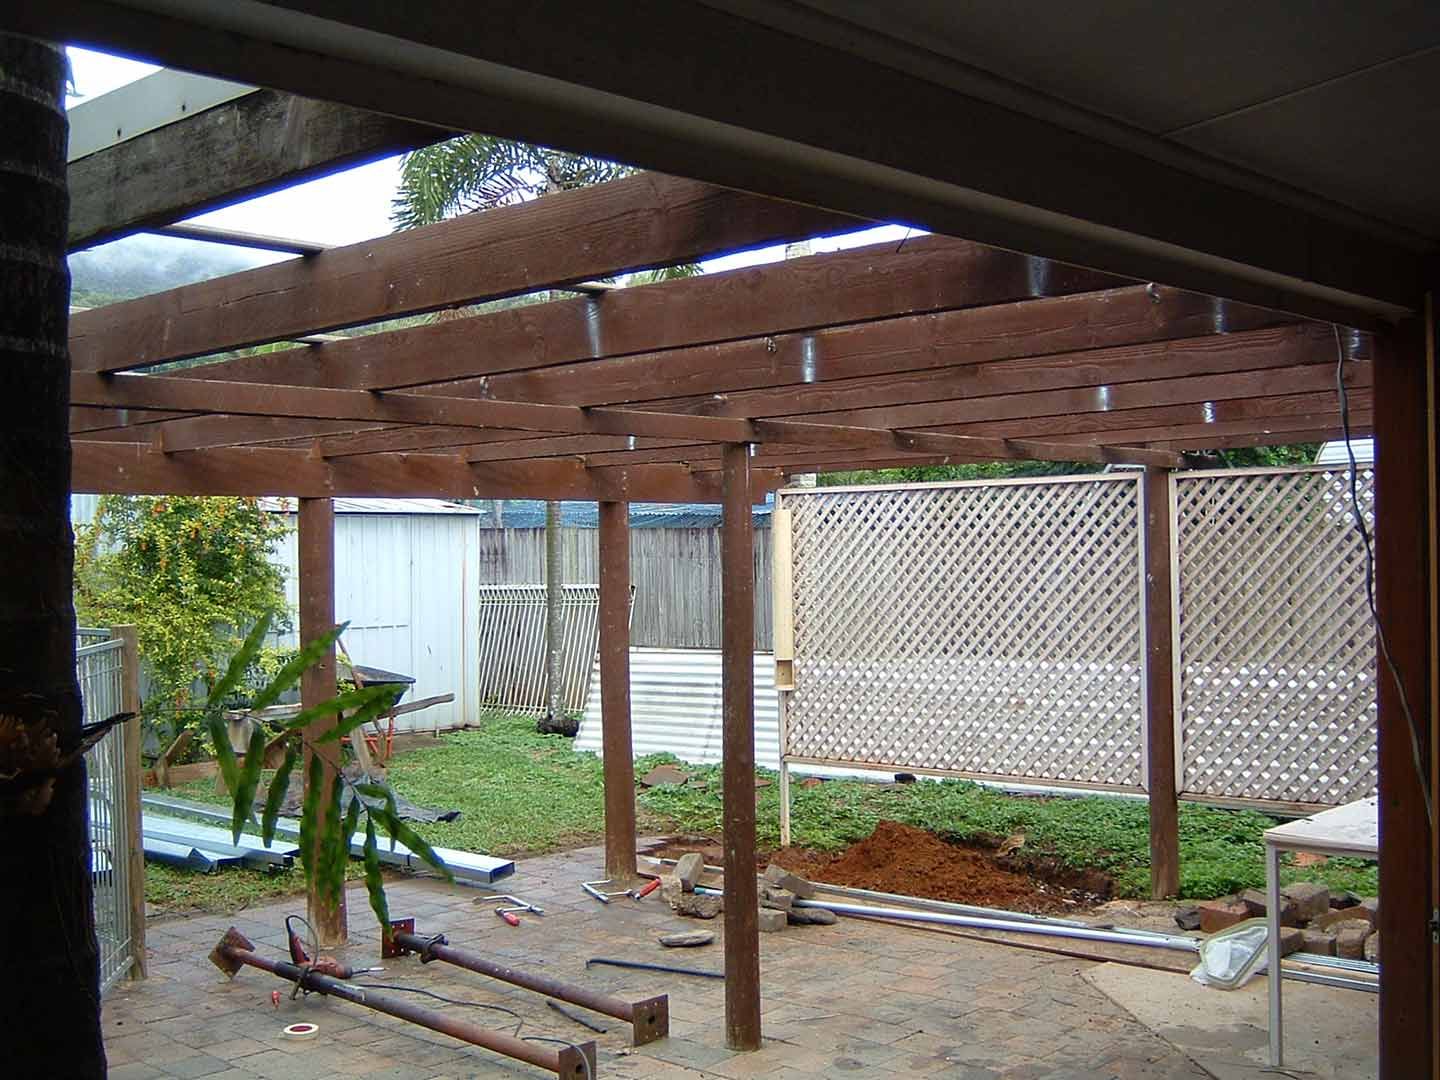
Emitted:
pixel 899 858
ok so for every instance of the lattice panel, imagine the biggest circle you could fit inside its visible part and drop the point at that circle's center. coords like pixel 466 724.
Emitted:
pixel 1276 659
pixel 987 629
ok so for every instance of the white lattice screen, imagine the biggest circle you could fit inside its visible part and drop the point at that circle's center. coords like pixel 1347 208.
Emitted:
pixel 1275 654
pixel 986 629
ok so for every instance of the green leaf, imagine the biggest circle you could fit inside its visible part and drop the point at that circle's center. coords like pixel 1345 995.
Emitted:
pixel 296 666
pixel 309 812
pixel 347 834
pixel 351 699
pixel 276 795
pixel 402 832
pixel 374 883
pixel 371 710
pixel 224 752
pixel 249 781
pixel 242 659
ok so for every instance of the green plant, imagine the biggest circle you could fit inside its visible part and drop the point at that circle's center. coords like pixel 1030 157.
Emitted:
pixel 190 574
pixel 325 832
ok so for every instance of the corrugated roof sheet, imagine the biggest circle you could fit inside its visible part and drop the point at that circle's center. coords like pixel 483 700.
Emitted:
pixel 1333 453
pixel 381 506
pixel 530 514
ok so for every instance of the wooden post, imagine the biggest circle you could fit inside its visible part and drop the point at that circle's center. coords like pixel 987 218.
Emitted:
pixel 1160 688
pixel 134 771
pixel 317 616
pixel 615 693
pixel 1404 505
pixel 742 902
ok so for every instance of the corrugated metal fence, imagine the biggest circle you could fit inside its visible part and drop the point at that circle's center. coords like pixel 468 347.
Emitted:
pixel 676 574
pixel 99 667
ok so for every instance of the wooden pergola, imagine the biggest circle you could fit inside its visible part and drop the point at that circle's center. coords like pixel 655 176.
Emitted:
pixel 711 388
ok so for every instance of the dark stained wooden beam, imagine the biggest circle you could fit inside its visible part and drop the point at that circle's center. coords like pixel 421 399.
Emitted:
pixel 1160 781
pixel 129 469
pixel 259 143
pixel 570 236
pixel 614 621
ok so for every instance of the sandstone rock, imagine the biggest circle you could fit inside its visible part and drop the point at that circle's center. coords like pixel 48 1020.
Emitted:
pixel 1188 918
pixel 697 905
pixel 1372 948
pixel 812 917
pixel 1255 903
pixel 771 919
pixel 1331 918
pixel 1218 915
pixel 781 878
pixel 1343 899
pixel 1372 905
pixel 689 939
pixel 779 899
pixel 688 869
pixel 1321 942
pixel 1310 899
pixel 1350 939
pixel 1292 940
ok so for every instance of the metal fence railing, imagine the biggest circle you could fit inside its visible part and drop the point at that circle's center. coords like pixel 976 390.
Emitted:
pixel 99 668
pixel 512 645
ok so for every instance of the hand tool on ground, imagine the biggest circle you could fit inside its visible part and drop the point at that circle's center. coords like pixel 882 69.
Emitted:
pixel 508 913
pixel 646 889
pixel 653 967
pixel 324 965
pixel 593 888
pixel 573 1015
pixel 513 903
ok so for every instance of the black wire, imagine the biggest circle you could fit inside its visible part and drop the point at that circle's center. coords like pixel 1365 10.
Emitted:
pixel 565 1042
pixel 519 1020
pixel 1420 775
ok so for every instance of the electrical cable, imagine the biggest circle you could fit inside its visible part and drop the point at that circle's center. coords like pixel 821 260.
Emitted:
pixel 519 1020
pixel 1420 775
pixel 564 1042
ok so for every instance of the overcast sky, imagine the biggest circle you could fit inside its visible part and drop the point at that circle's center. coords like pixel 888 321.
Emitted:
pixel 351 206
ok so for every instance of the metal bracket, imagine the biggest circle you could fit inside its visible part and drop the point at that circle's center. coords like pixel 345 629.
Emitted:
pixel 388 947
pixel 1435 925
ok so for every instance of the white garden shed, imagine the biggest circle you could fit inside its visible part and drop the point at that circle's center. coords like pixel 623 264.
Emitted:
pixel 405 577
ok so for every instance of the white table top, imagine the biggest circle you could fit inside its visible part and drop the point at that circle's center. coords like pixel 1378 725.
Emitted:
pixel 1350 829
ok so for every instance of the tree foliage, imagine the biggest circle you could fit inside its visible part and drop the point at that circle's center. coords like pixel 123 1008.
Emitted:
pixel 190 574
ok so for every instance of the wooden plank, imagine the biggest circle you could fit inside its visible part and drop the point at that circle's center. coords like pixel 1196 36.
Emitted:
pixel 614 620
pixel 642 221
pixel 1403 492
pixel 124 468
pixel 1160 688
pixel 742 904
pixel 316 545
pixel 130 701
pixel 260 143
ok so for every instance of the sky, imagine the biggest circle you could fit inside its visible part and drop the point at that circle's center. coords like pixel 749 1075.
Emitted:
pixel 354 205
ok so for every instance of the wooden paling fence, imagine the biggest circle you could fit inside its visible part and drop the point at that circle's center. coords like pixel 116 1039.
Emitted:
pixel 995 630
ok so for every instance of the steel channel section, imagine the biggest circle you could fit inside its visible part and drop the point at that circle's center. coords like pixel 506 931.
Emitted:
pixel 573 1062
pixel 649 1018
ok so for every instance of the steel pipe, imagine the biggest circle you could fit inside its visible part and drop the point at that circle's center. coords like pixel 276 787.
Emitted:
pixel 649 1018
pixel 572 1062
pixel 1011 926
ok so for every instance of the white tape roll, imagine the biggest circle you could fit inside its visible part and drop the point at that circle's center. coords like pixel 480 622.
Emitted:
pixel 301 1031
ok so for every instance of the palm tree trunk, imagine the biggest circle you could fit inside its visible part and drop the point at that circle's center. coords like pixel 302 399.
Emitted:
pixel 49 996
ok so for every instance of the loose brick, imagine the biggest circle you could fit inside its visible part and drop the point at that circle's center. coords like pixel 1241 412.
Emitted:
pixel 1372 948
pixel 688 869
pixel 1350 939
pixel 1321 942
pixel 1216 916
pixel 697 905
pixel 1292 940
pixel 1310 899
pixel 784 879
pixel 1255 903
pixel 1350 914
pixel 771 919
pixel 812 917
pixel 780 899
pixel 1188 918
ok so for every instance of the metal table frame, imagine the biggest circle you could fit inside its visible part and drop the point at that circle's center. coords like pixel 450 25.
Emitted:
pixel 1352 829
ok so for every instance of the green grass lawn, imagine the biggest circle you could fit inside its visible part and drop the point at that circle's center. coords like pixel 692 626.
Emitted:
pixel 525 793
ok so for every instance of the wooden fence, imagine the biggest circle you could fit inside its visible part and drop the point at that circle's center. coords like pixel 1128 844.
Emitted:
pixel 676 574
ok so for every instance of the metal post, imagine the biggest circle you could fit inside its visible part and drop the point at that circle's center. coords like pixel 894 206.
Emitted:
pixel 317 616
pixel 649 1018
pixel 554 632
pixel 133 771
pixel 1272 944
pixel 615 693
pixel 1160 688
pixel 575 1062
pixel 742 904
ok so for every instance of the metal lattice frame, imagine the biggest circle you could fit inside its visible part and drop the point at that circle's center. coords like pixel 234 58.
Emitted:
pixel 982 629
pixel 1275 646
pixel 98 669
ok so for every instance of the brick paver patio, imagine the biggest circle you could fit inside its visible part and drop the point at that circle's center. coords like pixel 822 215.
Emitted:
pixel 858 999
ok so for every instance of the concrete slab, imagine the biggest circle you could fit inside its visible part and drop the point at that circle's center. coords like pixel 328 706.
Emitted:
pixel 1329 1033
